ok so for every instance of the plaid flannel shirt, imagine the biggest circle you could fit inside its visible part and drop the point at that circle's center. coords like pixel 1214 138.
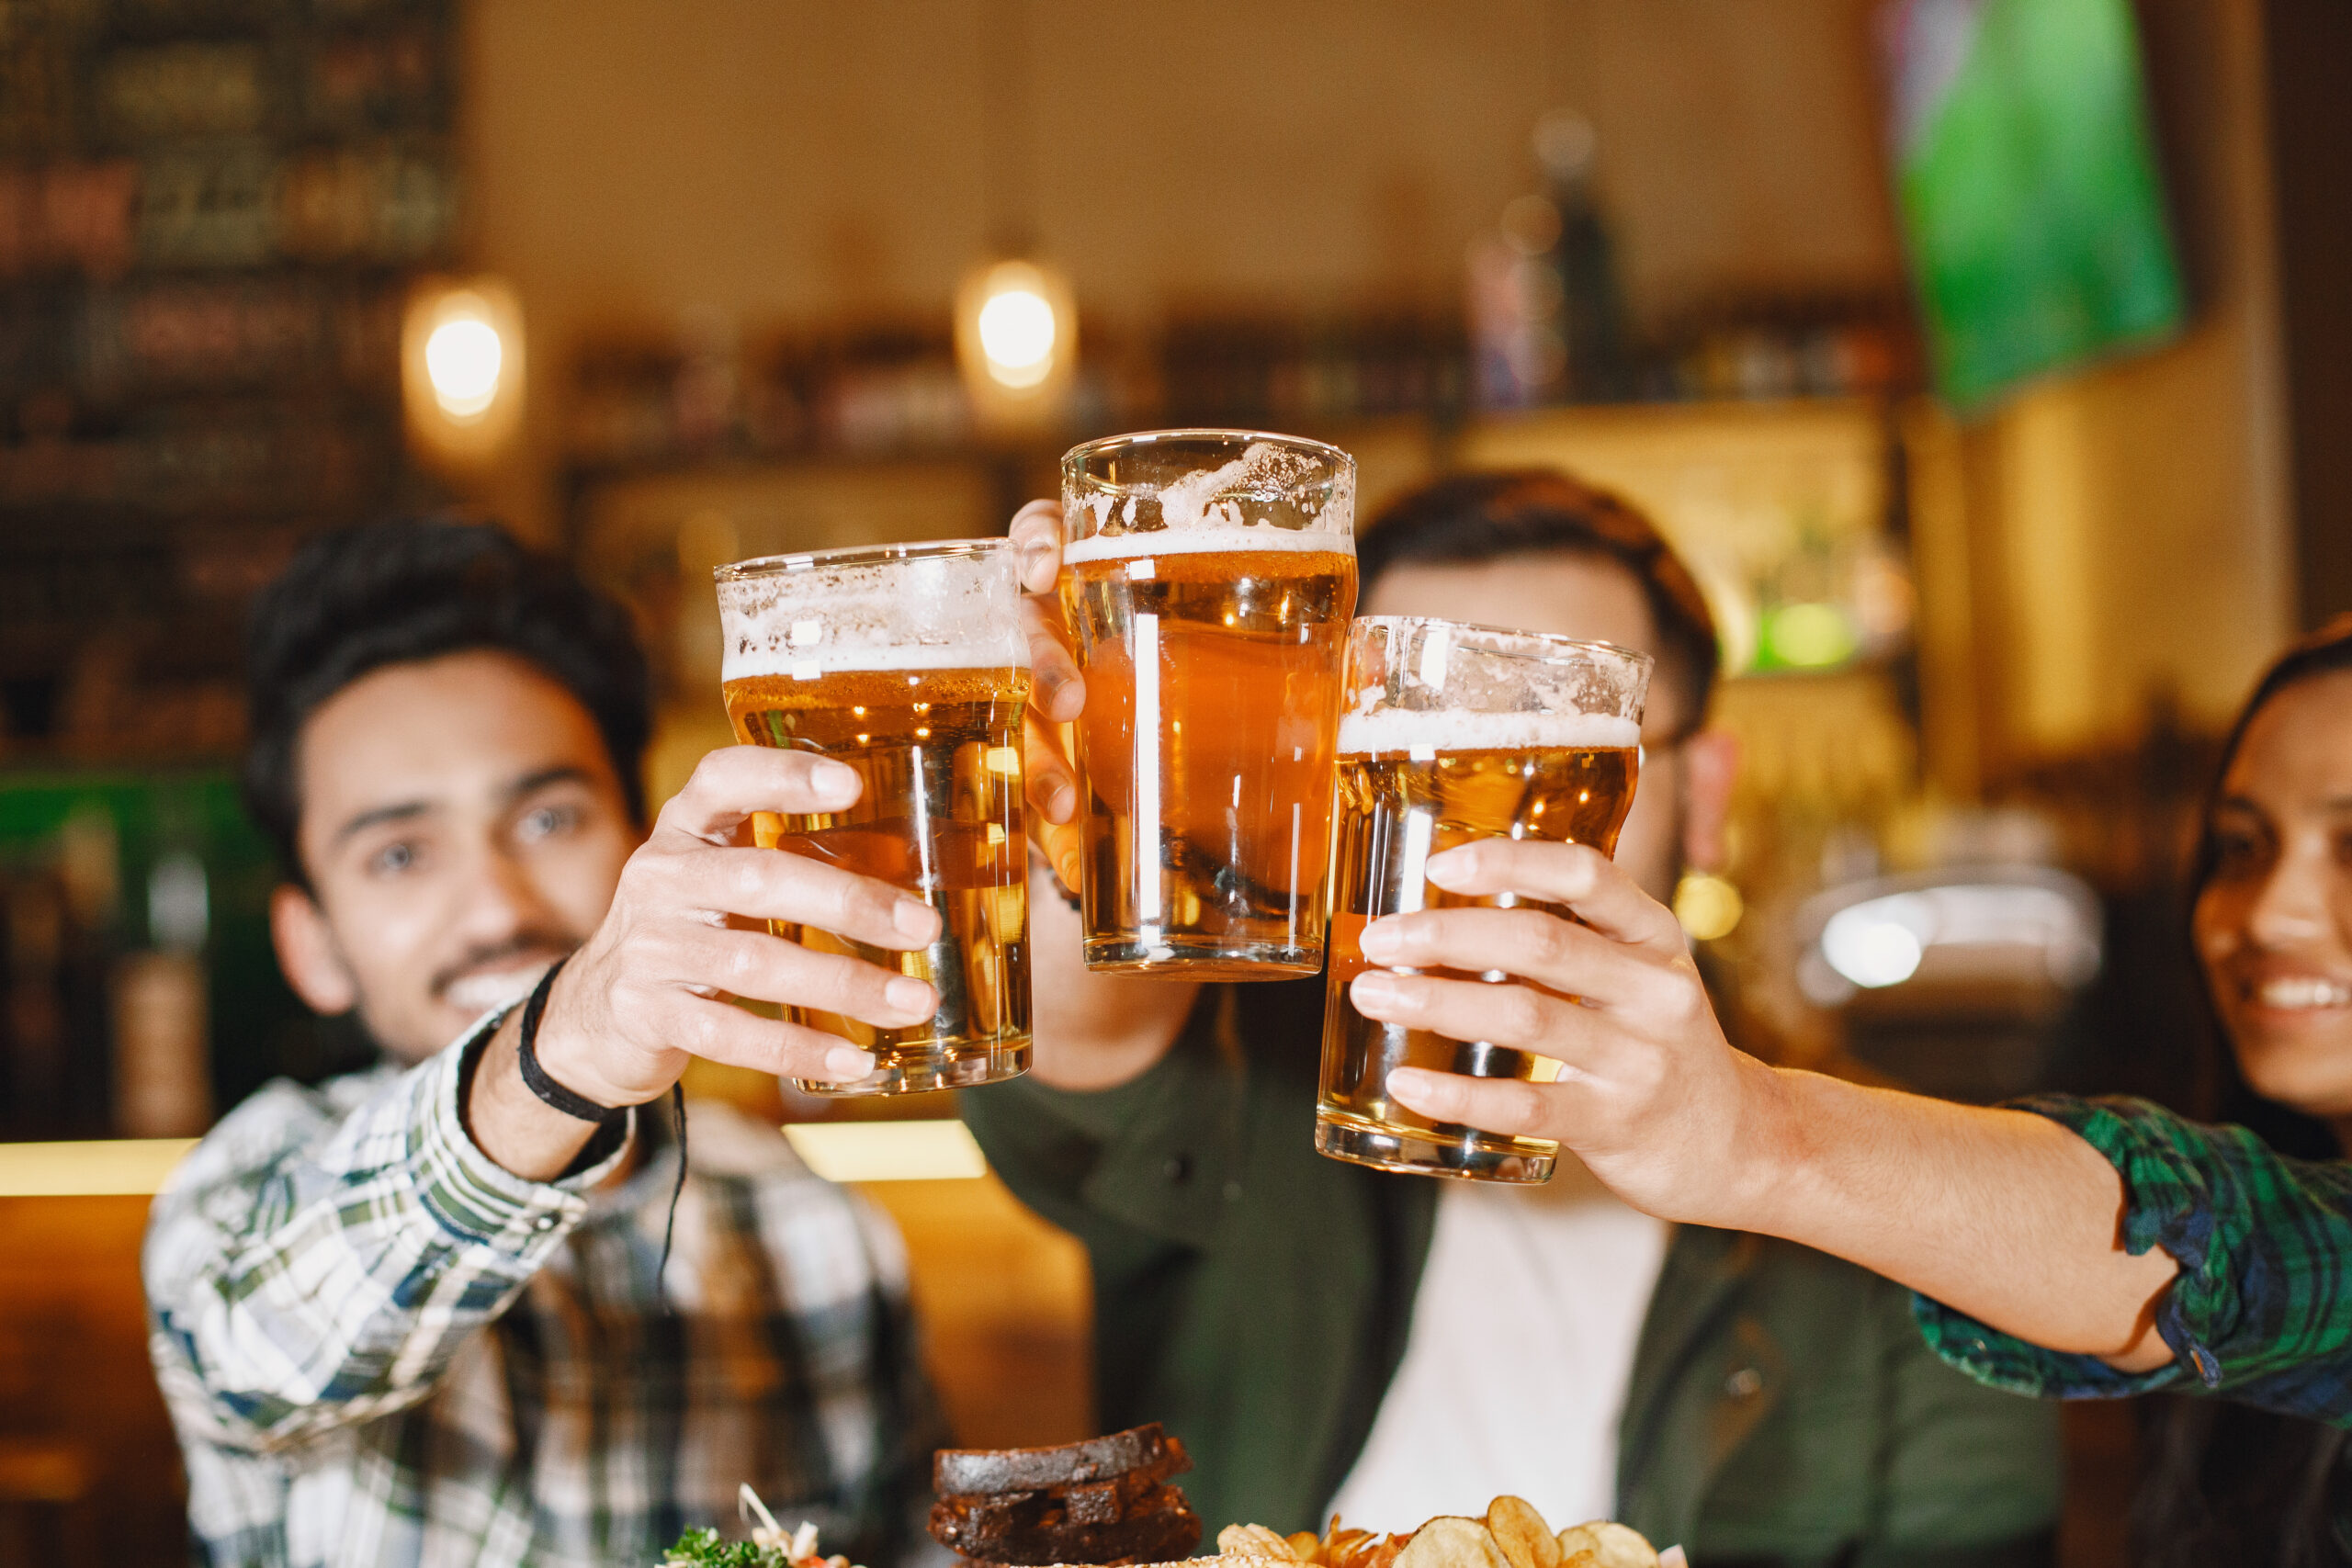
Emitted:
pixel 379 1346
pixel 2261 1312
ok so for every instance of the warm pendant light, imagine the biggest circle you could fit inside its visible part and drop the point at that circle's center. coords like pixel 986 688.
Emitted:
pixel 461 368
pixel 1016 338
pixel 1016 319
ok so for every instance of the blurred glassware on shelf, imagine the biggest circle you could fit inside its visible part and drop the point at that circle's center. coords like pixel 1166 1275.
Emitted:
pixel 206 217
pixel 1783 510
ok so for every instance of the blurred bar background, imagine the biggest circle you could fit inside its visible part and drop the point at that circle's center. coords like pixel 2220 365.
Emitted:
pixel 667 285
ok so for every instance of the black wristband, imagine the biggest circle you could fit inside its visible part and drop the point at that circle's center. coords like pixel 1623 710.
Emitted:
pixel 535 1077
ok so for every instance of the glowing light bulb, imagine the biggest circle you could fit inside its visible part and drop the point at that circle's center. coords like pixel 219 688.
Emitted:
pixel 1017 334
pixel 463 358
pixel 1016 338
pixel 463 370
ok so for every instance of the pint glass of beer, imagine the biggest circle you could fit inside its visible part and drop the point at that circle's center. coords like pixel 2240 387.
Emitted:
pixel 909 663
pixel 1452 733
pixel 1209 576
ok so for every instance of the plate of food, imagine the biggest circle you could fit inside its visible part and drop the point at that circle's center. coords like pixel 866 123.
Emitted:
pixel 1112 1502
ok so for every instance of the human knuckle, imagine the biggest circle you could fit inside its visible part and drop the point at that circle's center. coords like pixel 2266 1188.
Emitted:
pixel 1521 1104
pixel 1675 995
pixel 1544 938
pixel 1521 1012
pixel 849 901
pixel 697 1030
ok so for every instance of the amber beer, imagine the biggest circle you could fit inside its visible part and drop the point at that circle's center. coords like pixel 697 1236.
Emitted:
pixel 856 655
pixel 1413 782
pixel 1208 587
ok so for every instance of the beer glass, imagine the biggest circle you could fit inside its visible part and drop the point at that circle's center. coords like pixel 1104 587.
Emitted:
pixel 1209 576
pixel 907 662
pixel 1453 733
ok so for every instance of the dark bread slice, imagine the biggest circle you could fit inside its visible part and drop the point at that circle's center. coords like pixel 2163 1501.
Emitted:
pixel 1169 1531
pixel 1144 1450
pixel 986 1527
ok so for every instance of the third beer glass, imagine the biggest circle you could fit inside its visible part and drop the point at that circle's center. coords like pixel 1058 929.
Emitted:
pixel 1209 578
pixel 1453 733
pixel 907 662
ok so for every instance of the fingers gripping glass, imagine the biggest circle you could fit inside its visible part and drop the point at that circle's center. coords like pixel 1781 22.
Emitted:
pixel 907 662
pixel 1453 733
pixel 1209 576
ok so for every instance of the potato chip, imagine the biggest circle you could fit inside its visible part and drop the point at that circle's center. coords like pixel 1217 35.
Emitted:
pixel 1306 1546
pixel 1609 1546
pixel 1252 1541
pixel 1384 1555
pixel 1449 1542
pixel 1526 1540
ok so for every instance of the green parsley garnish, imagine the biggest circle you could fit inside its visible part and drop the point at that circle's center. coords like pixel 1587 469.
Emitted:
pixel 703 1549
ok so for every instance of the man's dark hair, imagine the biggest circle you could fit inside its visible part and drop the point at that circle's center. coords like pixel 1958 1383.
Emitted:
pixel 412 589
pixel 1466 519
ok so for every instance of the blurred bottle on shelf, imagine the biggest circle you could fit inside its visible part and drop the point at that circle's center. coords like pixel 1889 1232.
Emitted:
pixel 1584 257
pixel 36 1001
pixel 162 1074
pixel 58 901
pixel 1547 322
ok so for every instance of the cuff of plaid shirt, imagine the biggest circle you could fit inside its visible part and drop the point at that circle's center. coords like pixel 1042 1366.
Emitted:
pixel 472 1196
pixel 2184 1192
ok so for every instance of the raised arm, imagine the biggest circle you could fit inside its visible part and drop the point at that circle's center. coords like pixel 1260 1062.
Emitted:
pixel 2004 1215
pixel 313 1265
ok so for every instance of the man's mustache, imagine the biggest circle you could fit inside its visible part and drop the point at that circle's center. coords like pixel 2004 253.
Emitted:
pixel 524 947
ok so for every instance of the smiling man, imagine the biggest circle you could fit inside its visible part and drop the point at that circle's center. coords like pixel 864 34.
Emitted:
pixel 431 1313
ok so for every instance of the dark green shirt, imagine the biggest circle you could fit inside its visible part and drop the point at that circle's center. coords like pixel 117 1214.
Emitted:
pixel 1256 1298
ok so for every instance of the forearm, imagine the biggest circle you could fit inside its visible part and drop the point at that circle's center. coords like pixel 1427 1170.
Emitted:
pixel 1112 1054
pixel 2000 1214
pixel 1092 1031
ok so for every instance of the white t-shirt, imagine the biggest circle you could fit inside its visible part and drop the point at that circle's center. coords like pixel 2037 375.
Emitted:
pixel 1521 1346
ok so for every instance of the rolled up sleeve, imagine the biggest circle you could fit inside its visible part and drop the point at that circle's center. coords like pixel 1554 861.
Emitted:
pixel 2261 1311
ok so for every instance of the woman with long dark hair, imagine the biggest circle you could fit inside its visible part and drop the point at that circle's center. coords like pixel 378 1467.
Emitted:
pixel 2272 923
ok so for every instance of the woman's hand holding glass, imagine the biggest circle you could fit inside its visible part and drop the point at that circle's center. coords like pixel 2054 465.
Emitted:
pixel 1651 1096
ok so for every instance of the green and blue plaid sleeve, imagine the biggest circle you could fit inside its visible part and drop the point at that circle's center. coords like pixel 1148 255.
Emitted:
pixel 2261 1312
pixel 313 1264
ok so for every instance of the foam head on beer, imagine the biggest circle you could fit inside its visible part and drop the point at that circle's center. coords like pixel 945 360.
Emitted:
pixel 1277 494
pixel 1411 732
pixel 802 616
